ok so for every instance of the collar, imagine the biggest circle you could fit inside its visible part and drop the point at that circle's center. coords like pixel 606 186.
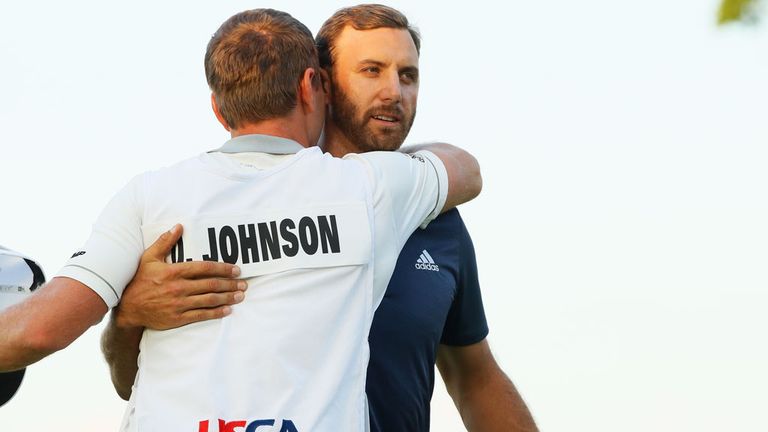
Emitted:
pixel 261 144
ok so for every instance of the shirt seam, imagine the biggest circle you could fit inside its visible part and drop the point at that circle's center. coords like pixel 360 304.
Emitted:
pixel 97 275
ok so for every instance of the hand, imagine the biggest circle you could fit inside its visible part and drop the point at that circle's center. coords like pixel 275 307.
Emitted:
pixel 163 296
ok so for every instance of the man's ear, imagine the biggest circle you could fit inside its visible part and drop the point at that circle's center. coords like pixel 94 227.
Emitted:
pixel 325 79
pixel 216 111
pixel 307 91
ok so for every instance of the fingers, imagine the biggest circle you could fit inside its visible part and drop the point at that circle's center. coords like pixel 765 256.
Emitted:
pixel 208 307
pixel 213 300
pixel 163 245
pixel 207 269
pixel 210 286
pixel 196 315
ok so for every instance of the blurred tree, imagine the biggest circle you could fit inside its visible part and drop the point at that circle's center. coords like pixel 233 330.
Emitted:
pixel 737 10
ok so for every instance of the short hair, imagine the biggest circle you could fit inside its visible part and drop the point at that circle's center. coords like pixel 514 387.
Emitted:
pixel 360 17
pixel 254 63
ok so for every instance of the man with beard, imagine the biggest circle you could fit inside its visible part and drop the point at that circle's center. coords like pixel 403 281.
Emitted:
pixel 317 237
pixel 432 310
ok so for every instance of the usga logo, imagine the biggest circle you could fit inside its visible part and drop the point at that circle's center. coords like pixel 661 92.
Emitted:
pixel 425 262
pixel 244 426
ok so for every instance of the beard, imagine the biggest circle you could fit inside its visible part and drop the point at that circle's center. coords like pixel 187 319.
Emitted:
pixel 357 128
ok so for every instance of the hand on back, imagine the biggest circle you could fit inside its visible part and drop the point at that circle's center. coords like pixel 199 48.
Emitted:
pixel 162 296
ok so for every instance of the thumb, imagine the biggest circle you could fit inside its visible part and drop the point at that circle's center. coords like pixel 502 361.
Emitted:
pixel 163 245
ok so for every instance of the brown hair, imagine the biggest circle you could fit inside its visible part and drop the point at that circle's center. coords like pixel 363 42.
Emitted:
pixel 254 63
pixel 360 17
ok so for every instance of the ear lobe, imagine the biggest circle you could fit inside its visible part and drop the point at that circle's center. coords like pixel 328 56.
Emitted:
pixel 216 111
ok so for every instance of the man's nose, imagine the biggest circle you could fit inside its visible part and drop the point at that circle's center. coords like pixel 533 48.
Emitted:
pixel 391 90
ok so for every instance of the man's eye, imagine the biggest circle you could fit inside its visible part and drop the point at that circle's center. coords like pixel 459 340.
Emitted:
pixel 409 77
pixel 371 69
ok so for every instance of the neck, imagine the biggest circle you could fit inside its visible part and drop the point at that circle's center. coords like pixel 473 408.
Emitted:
pixel 284 127
pixel 335 142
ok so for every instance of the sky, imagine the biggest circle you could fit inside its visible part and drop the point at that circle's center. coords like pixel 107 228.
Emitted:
pixel 621 233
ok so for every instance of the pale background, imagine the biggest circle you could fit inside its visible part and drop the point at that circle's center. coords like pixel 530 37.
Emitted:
pixel 622 234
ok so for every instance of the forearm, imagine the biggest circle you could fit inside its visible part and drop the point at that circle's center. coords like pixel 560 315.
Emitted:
pixel 484 396
pixel 493 404
pixel 18 346
pixel 120 346
pixel 47 321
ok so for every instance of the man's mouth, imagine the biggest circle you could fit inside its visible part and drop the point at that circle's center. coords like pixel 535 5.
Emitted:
pixel 386 118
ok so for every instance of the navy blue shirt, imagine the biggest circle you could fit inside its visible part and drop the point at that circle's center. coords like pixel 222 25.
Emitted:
pixel 432 298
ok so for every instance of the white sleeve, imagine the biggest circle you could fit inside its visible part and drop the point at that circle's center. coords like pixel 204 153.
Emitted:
pixel 413 187
pixel 109 259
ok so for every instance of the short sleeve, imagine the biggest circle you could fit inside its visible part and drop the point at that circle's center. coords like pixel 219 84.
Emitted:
pixel 414 186
pixel 466 323
pixel 110 256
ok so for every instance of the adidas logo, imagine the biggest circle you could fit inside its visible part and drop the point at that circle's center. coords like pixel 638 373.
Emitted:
pixel 425 262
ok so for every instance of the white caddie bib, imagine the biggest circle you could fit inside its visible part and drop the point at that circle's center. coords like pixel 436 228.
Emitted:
pixel 316 239
pixel 272 240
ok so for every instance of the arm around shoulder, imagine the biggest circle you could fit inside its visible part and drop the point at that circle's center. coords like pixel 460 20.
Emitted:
pixel 464 179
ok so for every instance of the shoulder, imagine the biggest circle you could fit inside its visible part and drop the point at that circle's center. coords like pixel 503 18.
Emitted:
pixel 194 162
pixel 449 232
pixel 448 223
pixel 396 173
pixel 379 163
pixel 173 173
pixel 451 217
